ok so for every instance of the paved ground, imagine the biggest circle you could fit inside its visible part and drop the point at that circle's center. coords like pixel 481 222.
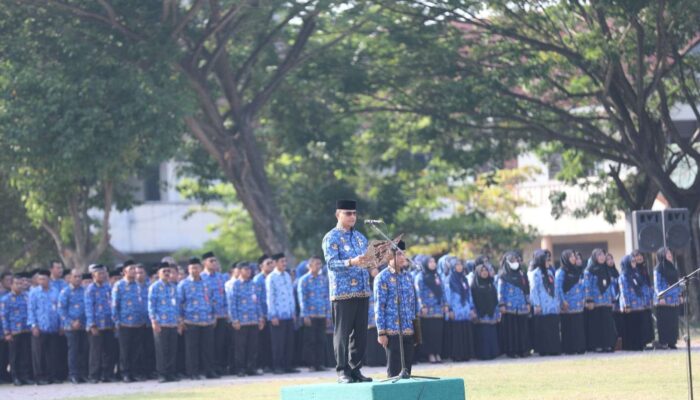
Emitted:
pixel 69 391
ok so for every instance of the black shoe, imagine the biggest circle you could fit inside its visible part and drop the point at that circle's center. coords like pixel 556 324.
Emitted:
pixel 241 374
pixel 291 371
pixel 673 347
pixel 93 380
pixel 42 382
pixel 111 379
pixel 358 377
pixel 344 378
pixel 278 371
pixel 75 381
pixel 253 373
pixel 195 377
pixel 128 379
pixel 163 379
pixel 212 375
pixel 17 382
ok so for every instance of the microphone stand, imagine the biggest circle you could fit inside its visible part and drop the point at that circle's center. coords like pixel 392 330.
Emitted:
pixel 404 374
pixel 684 283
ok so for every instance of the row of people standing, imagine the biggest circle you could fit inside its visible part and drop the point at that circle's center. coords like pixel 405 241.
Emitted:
pixel 570 309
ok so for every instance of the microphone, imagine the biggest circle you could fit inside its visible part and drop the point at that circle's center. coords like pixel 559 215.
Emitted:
pixel 373 221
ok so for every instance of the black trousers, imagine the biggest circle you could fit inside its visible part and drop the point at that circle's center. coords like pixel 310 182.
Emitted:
pixel 245 341
pixel 77 353
pixel 265 347
pixel 667 324
pixel 350 333
pixel 146 361
pixel 166 351
pixel 130 349
pixel 20 354
pixel 199 349
pixel 282 337
pixel 181 364
pixel 102 354
pixel 62 358
pixel 4 361
pixel 393 354
pixel 222 338
pixel 45 351
pixel 315 342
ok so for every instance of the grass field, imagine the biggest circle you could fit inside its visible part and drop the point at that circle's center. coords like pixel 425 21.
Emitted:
pixel 659 375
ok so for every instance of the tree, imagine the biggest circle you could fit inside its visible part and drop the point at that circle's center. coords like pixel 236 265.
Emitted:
pixel 234 55
pixel 79 123
pixel 601 78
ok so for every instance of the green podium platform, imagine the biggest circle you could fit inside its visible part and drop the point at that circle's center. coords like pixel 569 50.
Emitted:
pixel 442 389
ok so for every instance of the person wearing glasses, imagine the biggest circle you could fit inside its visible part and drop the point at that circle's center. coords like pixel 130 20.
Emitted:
pixel 344 249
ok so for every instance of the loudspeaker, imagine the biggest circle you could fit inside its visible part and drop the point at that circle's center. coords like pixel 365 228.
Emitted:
pixel 677 227
pixel 647 231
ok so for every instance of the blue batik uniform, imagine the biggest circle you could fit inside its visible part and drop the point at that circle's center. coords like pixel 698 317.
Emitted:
pixel 427 299
pixel 313 296
pixel 672 298
pixel 593 293
pixel 98 308
pixel 14 313
pixel 386 285
pixel 194 299
pixel 129 304
pixel 539 296
pixel 71 306
pixel 462 312
pixel 244 305
pixel 58 285
pixel 629 299
pixel 43 310
pixel 163 306
pixel 346 282
pixel 280 296
pixel 575 297
pixel 259 281
pixel 512 298
pixel 217 282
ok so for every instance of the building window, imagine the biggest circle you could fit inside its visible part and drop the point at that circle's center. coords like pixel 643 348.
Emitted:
pixel 151 183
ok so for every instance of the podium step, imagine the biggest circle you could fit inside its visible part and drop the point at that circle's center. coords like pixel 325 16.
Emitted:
pixel 442 389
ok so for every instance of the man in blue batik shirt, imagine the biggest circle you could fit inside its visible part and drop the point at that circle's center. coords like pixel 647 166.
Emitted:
pixel 344 249
pixel 45 323
pixel 71 308
pixel 280 313
pixel 315 310
pixel 129 311
pixel 222 330
pixel 100 326
pixel 163 311
pixel 13 311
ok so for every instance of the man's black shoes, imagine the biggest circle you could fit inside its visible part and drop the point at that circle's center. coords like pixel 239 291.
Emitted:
pixel 358 377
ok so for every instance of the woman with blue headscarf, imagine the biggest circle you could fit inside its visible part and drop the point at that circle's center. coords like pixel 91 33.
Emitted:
pixel 514 300
pixel 461 314
pixel 667 307
pixel 432 306
pixel 633 287
pixel 546 335
pixel 601 334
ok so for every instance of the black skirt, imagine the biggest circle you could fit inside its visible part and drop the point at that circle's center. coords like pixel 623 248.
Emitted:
pixel 462 340
pixel 546 335
pixel 486 341
pixel 573 336
pixel 667 324
pixel 447 340
pixel 515 335
pixel 634 338
pixel 648 326
pixel 432 329
pixel 375 355
pixel 619 323
pixel 600 329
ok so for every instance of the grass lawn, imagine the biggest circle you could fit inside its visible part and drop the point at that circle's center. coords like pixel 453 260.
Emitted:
pixel 659 375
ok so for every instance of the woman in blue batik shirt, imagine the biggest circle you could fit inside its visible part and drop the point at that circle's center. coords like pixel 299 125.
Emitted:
pixel 600 326
pixel 568 284
pixel 665 275
pixel 488 314
pixel 513 299
pixel 546 336
pixel 461 314
pixel 648 321
pixel 633 303
pixel 432 306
